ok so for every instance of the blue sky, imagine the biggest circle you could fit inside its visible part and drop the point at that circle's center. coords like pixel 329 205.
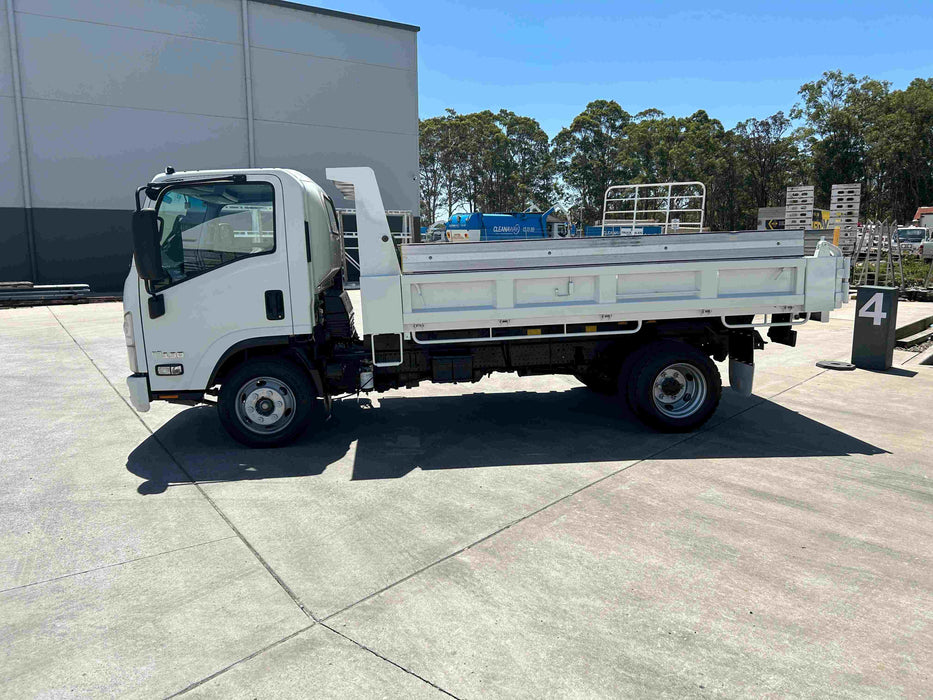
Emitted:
pixel 733 59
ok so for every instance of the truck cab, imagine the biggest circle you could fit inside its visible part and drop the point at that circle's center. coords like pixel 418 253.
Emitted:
pixel 245 258
pixel 911 238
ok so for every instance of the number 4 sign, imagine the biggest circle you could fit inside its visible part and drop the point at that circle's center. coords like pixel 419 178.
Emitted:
pixel 875 327
pixel 872 309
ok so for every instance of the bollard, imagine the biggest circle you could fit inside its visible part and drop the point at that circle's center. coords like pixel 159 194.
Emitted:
pixel 875 326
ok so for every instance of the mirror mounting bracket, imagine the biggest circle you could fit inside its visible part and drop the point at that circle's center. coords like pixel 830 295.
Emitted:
pixel 156 304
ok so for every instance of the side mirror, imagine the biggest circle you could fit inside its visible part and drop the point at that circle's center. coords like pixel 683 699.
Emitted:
pixel 146 250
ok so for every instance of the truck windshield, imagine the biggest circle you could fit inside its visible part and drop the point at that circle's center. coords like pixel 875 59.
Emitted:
pixel 911 235
pixel 205 226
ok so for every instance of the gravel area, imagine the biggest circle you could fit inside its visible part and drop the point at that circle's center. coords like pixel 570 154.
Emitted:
pixel 920 347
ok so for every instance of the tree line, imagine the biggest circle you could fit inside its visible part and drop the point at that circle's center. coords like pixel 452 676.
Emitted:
pixel 843 130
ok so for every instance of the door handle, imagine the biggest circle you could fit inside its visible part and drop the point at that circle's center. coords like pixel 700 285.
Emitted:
pixel 275 304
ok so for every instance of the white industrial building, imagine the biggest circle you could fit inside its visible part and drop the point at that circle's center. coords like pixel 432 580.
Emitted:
pixel 98 95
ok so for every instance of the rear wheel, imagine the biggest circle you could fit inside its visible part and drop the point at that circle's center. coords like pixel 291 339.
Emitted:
pixel 267 402
pixel 673 386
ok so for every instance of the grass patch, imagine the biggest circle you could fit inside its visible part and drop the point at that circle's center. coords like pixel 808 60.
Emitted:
pixel 915 272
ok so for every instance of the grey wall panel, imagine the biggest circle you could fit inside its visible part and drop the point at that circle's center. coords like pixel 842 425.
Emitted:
pixel 91 157
pixel 115 90
pixel 311 149
pixel 11 183
pixel 83 62
pixel 209 19
pixel 322 35
pixel 93 246
pixel 14 255
pixel 6 70
pixel 321 91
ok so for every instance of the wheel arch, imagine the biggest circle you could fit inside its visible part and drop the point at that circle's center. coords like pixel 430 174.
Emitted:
pixel 705 335
pixel 238 353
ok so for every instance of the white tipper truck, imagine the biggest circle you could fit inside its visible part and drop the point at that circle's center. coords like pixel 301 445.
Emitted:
pixel 235 297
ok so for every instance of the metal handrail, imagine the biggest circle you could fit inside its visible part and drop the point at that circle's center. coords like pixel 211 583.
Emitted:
pixel 766 324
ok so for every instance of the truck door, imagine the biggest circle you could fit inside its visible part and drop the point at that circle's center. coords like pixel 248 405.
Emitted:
pixel 224 252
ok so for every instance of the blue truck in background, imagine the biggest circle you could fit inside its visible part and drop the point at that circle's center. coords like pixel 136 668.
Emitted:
pixel 509 226
pixel 476 226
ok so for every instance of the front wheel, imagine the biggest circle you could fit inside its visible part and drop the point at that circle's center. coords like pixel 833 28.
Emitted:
pixel 267 402
pixel 673 387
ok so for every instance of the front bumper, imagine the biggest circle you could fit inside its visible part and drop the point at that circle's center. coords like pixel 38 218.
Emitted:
pixel 139 391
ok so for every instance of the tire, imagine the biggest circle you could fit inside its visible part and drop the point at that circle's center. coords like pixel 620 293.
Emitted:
pixel 673 387
pixel 267 402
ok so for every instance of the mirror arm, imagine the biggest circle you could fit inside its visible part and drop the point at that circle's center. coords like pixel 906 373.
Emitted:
pixel 138 190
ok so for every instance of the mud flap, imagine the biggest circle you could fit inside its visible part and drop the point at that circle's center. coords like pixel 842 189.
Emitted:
pixel 741 376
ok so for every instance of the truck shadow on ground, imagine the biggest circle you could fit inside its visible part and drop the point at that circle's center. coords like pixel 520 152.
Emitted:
pixel 476 430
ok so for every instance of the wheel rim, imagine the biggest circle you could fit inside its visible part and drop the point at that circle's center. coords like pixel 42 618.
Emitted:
pixel 265 405
pixel 679 390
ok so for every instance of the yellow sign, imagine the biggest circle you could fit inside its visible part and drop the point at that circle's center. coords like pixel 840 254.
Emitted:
pixel 820 218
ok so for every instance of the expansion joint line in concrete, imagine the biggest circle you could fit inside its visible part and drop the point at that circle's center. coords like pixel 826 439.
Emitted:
pixel 278 579
pixel 279 642
pixel 256 653
pixel 119 563
pixel 386 659
pixel 181 467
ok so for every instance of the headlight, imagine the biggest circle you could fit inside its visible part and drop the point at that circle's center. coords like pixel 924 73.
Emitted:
pixel 130 342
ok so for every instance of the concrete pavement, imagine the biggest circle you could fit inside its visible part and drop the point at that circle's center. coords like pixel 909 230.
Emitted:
pixel 514 538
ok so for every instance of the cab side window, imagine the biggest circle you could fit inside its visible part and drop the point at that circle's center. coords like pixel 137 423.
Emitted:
pixel 206 226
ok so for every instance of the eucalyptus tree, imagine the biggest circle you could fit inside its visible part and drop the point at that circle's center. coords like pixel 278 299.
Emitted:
pixel 768 151
pixel 587 154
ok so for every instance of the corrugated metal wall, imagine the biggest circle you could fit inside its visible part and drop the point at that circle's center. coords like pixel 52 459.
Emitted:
pixel 115 90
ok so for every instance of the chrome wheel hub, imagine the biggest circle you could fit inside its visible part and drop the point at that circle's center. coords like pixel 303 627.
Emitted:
pixel 679 390
pixel 265 405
